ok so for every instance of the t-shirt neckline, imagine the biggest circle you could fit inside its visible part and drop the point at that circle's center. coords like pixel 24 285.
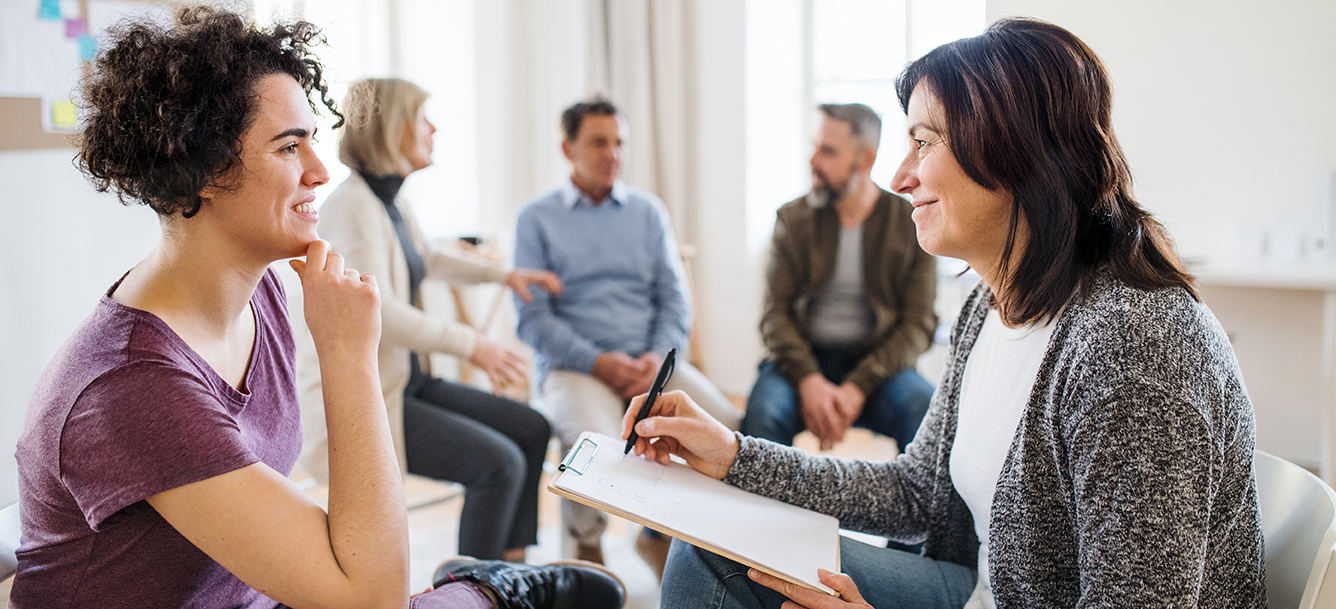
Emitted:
pixel 237 396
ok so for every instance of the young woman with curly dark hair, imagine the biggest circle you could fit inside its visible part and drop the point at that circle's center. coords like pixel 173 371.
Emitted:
pixel 153 465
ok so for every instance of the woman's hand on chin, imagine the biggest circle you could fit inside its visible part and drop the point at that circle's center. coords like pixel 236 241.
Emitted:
pixel 342 306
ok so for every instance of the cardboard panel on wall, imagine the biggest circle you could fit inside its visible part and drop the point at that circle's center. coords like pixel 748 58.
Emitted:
pixel 44 46
pixel 21 126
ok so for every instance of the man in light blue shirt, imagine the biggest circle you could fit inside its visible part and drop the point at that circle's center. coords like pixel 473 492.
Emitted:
pixel 627 296
pixel 624 303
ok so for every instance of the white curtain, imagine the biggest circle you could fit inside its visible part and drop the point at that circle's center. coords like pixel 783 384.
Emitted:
pixel 537 57
pixel 675 68
pixel 640 56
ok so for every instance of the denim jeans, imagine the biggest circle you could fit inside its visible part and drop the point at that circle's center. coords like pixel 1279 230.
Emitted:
pixel 887 579
pixel 894 410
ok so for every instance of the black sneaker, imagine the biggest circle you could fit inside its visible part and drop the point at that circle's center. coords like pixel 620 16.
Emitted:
pixel 562 585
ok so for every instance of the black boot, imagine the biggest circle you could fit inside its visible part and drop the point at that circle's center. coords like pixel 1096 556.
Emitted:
pixel 520 586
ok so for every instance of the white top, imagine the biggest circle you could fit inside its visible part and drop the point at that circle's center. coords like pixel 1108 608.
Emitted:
pixel 999 376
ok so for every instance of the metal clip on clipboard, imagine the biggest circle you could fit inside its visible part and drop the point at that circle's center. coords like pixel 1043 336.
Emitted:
pixel 579 459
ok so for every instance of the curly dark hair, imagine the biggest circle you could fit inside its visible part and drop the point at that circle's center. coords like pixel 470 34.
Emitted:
pixel 165 108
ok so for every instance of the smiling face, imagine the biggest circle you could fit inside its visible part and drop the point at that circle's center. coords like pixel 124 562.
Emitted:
pixel 264 204
pixel 416 143
pixel 955 216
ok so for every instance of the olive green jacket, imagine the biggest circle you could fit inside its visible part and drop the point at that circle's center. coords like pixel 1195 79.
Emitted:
pixel 899 282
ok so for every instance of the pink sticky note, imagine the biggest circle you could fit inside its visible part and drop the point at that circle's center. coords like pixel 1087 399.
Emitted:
pixel 75 27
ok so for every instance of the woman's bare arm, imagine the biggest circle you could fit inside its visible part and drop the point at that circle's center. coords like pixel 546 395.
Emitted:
pixel 266 531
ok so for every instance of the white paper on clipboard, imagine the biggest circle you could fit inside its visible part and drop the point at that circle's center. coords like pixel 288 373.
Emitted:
pixel 785 540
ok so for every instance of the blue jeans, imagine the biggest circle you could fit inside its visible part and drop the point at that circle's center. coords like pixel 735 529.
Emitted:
pixel 887 579
pixel 894 410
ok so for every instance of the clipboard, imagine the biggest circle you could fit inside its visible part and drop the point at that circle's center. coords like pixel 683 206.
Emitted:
pixel 783 540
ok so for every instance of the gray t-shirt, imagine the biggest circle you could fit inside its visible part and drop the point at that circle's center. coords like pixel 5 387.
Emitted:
pixel 839 315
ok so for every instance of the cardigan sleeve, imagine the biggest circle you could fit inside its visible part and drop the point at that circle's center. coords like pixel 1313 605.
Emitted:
pixel 451 267
pixel 357 227
pixel 410 327
pixel 889 498
pixel 1141 468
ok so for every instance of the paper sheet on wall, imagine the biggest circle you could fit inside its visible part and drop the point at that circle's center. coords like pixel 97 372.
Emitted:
pixel 781 539
pixel 44 42
pixel 37 59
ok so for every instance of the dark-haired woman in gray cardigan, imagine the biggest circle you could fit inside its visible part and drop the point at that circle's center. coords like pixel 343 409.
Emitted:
pixel 1091 441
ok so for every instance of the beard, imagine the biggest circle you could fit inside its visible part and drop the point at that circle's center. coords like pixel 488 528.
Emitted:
pixel 825 193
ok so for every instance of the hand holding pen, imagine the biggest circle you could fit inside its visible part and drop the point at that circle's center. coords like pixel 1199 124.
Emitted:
pixel 660 380
pixel 680 427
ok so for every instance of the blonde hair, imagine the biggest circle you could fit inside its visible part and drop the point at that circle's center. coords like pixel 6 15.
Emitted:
pixel 378 110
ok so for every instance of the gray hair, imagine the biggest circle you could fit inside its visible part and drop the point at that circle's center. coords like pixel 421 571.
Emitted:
pixel 864 124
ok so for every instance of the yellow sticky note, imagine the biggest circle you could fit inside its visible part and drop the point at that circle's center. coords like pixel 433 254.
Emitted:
pixel 64 114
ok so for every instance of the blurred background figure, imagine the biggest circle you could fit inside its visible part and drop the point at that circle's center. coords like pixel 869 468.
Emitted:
pixel 625 302
pixel 492 445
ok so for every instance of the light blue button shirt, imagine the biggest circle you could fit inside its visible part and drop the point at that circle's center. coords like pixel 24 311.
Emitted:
pixel 621 272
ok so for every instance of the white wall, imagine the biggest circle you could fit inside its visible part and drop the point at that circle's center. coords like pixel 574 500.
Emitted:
pixel 62 245
pixel 1224 107
pixel 428 42
pixel 1225 111
pixel 531 65
pixel 445 196
pixel 1277 337
pixel 727 297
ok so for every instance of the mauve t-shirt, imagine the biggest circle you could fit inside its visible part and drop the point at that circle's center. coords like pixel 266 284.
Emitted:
pixel 127 410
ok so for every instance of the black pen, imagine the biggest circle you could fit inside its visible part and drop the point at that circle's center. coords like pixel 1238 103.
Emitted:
pixel 661 379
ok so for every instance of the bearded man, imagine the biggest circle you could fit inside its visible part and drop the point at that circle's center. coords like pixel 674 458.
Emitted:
pixel 849 300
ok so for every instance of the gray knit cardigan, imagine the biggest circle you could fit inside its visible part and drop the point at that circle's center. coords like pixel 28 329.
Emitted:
pixel 1128 483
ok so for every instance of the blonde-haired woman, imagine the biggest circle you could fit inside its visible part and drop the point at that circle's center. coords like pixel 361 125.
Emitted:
pixel 492 445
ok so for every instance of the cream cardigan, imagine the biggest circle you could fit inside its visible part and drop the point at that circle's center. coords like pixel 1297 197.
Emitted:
pixel 356 225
